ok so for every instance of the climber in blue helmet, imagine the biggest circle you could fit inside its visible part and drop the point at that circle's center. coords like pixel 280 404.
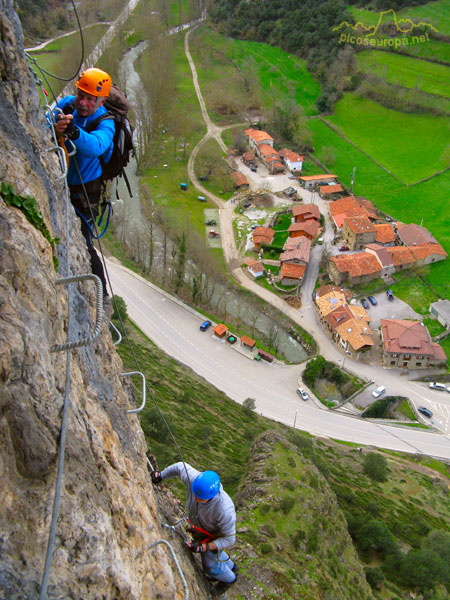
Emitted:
pixel 212 519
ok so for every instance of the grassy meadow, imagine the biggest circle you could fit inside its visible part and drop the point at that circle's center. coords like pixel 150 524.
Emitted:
pixel 409 145
pixel 278 74
pixel 406 71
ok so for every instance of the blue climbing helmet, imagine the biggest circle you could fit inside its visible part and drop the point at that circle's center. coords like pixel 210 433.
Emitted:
pixel 206 485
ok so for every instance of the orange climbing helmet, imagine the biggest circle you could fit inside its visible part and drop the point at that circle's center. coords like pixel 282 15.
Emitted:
pixel 95 82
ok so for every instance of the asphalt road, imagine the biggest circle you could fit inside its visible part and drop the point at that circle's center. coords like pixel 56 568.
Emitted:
pixel 175 329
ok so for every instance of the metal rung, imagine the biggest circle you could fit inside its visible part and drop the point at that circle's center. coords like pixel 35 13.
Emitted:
pixel 111 324
pixel 177 564
pixel 98 317
pixel 144 391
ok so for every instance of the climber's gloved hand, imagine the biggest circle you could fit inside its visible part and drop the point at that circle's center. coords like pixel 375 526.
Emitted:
pixel 197 546
pixel 156 476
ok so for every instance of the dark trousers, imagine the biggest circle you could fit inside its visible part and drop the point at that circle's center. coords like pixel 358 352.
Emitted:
pixel 78 199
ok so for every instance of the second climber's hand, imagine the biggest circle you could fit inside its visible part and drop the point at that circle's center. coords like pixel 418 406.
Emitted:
pixel 156 476
pixel 197 546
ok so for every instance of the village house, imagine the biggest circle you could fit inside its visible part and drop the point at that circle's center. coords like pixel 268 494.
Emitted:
pixel 309 229
pixel 408 344
pixel 255 268
pixel 305 212
pixel 298 254
pixel 385 235
pixel 309 182
pixel 270 157
pixel 257 137
pixel 355 268
pixel 240 180
pixel 327 288
pixel 249 158
pixel 262 236
pixel 347 324
pixel 351 206
pixel 384 258
pixel 357 232
pixel 414 235
pixel 441 311
pixel 292 160
pixel 292 273
pixel 328 192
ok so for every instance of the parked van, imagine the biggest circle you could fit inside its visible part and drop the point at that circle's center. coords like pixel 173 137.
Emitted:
pixel 320 241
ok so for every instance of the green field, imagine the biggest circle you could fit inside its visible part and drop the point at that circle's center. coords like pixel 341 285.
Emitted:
pixel 278 73
pixel 389 195
pixel 411 146
pixel 406 71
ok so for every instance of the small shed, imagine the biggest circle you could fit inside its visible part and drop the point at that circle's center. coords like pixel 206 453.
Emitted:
pixel 265 356
pixel 183 186
pixel 441 311
pixel 220 330
pixel 248 342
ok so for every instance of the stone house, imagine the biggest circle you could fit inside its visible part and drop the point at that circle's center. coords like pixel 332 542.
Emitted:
pixel 356 268
pixel 408 344
pixel 357 232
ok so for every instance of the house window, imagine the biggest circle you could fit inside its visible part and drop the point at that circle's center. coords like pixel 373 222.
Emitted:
pixel 418 364
pixel 392 362
pixel 407 356
pixel 394 355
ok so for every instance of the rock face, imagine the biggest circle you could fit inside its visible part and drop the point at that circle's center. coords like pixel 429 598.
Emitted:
pixel 108 515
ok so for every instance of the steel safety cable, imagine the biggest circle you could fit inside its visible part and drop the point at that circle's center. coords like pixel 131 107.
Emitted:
pixel 42 70
pixel 65 417
pixel 138 367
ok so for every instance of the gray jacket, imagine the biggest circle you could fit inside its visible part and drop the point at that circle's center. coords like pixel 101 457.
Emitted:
pixel 218 516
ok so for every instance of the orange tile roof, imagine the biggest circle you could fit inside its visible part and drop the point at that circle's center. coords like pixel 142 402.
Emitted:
pixel 357 265
pixel 258 135
pixel 267 150
pixel 330 189
pixel 292 270
pixel 385 233
pixel 311 227
pixel 309 211
pixel 263 235
pixel 356 332
pixel 410 337
pixel 302 253
pixel 401 255
pixel 290 155
pixel 318 177
pixel 330 302
pixel 238 178
pixel 359 225
pixel 425 250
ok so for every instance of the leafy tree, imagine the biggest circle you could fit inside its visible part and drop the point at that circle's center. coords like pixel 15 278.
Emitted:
pixel 375 466
pixel 374 576
pixel 423 569
pixel 249 405
pixel 376 536
pixel 120 308
pixel 181 263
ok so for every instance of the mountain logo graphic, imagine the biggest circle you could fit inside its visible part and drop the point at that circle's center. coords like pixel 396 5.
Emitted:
pixel 386 17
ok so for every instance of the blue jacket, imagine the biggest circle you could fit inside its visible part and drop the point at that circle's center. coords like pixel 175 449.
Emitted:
pixel 90 146
pixel 218 516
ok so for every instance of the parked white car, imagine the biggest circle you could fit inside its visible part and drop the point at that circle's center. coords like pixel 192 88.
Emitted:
pixel 302 393
pixel 439 386
pixel 379 391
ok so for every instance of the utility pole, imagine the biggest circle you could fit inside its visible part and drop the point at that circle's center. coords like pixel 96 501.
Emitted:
pixel 353 179
pixel 295 418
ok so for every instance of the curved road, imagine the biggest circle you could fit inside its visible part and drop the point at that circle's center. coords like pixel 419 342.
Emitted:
pixel 175 328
